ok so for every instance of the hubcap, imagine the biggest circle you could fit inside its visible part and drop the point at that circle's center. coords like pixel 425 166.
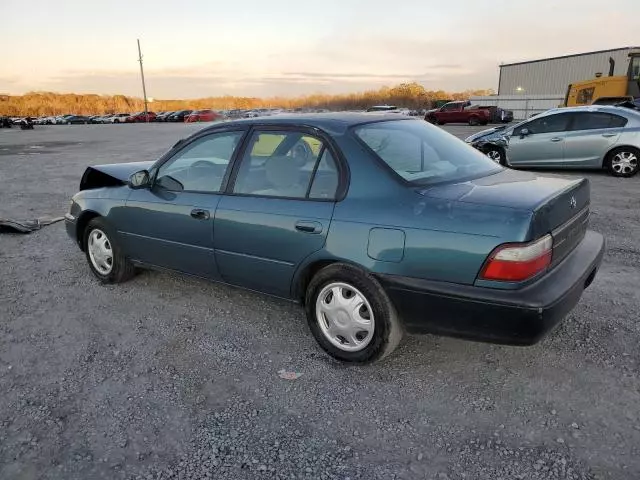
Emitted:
pixel 624 163
pixel 345 317
pixel 494 155
pixel 100 251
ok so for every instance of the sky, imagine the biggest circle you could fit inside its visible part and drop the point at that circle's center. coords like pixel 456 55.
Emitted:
pixel 199 48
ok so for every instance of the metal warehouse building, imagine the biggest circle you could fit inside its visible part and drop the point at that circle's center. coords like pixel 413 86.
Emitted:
pixel 552 76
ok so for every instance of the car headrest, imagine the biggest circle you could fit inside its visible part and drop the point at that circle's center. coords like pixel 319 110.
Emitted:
pixel 281 171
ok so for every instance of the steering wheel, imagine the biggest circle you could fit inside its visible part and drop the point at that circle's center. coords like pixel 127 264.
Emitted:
pixel 301 153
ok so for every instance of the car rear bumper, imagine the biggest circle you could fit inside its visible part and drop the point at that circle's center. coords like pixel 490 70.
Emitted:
pixel 514 317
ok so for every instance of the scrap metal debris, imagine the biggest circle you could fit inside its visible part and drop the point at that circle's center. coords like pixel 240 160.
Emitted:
pixel 25 226
pixel 289 375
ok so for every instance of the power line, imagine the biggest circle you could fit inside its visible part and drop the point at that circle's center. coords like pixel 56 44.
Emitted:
pixel 144 88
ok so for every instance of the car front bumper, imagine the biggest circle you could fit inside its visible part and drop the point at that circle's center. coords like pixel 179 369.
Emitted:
pixel 70 225
pixel 513 317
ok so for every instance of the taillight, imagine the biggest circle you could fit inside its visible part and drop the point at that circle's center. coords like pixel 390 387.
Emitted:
pixel 516 262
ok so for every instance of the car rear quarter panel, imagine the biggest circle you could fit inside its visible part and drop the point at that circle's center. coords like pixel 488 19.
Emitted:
pixel 441 239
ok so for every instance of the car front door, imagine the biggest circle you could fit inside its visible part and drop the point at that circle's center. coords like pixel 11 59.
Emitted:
pixel 540 142
pixel 277 209
pixel 591 136
pixel 170 224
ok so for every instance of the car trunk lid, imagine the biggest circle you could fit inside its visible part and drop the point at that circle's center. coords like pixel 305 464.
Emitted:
pixel 559 206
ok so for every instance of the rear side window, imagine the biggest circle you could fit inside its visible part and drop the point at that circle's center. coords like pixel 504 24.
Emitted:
pixel 423 154
pixel 597 120
pixel 287 165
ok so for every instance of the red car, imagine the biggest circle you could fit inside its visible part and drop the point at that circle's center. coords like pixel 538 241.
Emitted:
pixel 203 116
pixel 140 117
pixel 458 112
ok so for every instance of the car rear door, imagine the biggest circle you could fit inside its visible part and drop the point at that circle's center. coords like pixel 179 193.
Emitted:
pixel 277 209
pixel 539 142
pixel 171 224
pixel 591 136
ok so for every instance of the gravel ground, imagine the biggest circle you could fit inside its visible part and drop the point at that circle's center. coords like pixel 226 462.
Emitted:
pixel 174 378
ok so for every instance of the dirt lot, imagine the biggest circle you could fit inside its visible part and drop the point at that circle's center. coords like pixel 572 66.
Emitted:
pixel 169 377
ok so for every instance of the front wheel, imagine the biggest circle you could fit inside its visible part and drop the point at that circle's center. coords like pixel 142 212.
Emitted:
pixel 473 121
pixel 497 155
pixel 623 162
pixel 351 316
pixel 105 256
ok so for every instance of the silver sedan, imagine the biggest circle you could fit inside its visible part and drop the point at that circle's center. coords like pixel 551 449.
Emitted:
pixel 592 137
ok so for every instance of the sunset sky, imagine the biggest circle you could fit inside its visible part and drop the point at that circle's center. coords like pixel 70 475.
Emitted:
pixel 196 48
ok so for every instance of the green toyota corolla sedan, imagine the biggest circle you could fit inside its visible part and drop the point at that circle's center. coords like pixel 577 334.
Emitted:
pixel 376 224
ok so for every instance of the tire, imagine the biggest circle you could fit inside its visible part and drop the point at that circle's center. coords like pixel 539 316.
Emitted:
pixel 623 162
pixel 121 269
pixel 474 121
pixel 431 119
pixel 68 123
pixel 381 329
pixel 496 154
pixel 116 121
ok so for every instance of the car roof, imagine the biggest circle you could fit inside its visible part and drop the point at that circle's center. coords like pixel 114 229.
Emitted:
pixel 592 108
pixel 333 122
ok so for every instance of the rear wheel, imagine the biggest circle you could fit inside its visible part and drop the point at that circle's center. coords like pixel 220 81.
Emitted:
pixel 473 121
pixel 350 315
pixel 623 162
pixel 105 256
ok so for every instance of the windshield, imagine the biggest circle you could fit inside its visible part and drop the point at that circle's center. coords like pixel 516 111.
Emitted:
pixel 423 154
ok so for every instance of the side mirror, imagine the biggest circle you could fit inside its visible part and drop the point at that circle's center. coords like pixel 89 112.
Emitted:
pixel 139 179
pixel 524 132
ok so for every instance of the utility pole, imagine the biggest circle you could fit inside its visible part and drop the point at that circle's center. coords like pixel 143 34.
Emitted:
pixel 144 88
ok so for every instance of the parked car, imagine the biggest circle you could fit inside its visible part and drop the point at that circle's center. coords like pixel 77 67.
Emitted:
pixel 140 117
pixel 382 108
pixel 374 224
pixel 458 112
pixel 202 116
pixel 179 116
pixel 61 119
pixel 592 137
pixel 497 114
pixel 76 120
pixel 162 117
pixel 118 118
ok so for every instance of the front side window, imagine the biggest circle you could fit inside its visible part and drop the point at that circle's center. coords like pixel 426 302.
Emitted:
pixel 547 124
pixel 423 154
pixel 201 165
pixel 287 164
pixel 596 120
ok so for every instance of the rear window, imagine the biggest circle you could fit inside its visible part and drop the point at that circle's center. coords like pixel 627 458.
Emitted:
pixel 423 154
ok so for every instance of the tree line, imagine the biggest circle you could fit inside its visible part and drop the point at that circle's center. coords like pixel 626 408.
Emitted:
pixel 409 95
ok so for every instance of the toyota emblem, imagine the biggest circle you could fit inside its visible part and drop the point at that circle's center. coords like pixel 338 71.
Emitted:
pixel 573 202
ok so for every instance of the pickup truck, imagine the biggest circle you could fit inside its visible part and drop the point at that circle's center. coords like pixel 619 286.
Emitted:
pixel 458 112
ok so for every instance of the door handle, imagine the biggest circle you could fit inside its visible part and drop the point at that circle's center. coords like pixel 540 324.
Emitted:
pixel 556 139
pixel 200 214
pixel 309 227
pixel 607 135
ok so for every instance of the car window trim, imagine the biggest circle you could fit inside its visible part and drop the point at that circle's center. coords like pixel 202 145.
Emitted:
pixel 184 143
pixel 327 142
pixel 315 169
